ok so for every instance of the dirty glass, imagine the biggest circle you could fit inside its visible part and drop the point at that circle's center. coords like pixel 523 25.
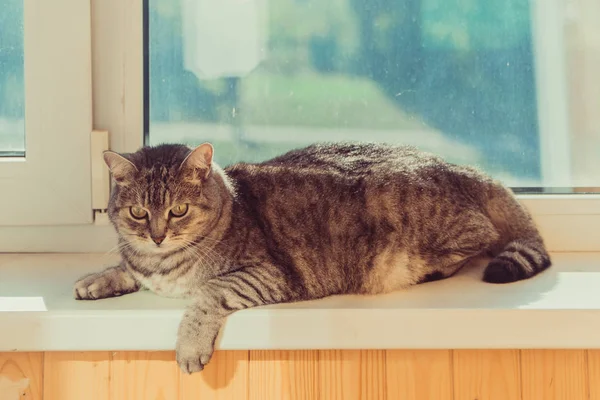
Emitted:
pixel 499 84
pixel 12 88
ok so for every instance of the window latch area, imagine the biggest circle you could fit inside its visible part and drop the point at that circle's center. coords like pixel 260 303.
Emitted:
pixel 100 176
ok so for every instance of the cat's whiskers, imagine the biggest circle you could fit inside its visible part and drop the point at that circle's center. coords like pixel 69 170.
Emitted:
pixel 199 239
pixel 216 256
pixel 118 247
pixel 196 255
pixel 205 254
pixel 115 249
pixel 190 246
pixel 126 244
pixel 194 252
pixel 130 246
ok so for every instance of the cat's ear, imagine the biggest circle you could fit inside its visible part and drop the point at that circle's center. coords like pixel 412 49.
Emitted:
pixel 197 165
pixel 121 168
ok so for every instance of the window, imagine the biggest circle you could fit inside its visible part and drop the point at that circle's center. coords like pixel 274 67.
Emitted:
pixel 45 112
pixel 12 84
pixel 479 82
pixel 510 86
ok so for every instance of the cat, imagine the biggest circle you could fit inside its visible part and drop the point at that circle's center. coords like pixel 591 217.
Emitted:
pixel 328 219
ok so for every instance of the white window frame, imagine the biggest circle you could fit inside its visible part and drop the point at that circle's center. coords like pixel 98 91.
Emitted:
pixel 567 222
pixel 51 184
pixel 552 94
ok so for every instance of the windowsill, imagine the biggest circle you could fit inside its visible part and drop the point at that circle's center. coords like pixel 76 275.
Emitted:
pixel 558 309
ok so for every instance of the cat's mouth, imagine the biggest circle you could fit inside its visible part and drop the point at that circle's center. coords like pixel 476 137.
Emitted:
pixel 147 245
pixel 164 247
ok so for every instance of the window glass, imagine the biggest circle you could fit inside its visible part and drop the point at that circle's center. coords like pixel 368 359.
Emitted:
pixel 506 85
pixel 12 91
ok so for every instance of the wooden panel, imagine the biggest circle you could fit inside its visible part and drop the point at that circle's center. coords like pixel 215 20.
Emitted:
pixel 351 374
pixel 21 376
pixel 594 373
pixel 340 375
pixel 283 375
pixel 144 375
pixel 395 374
pixel 225 377
pixel 372 373
pixel 419 374
pixel 554 375
pixel 76 375
pixel 487 374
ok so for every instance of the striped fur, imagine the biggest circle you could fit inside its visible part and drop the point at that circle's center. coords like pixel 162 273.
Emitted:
pixel 319 221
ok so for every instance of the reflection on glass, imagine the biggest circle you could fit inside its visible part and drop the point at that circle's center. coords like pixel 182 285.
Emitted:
pixel 12 90
pixel 461 79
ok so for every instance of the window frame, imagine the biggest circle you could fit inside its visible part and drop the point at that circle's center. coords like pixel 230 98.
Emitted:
pixel 567 222
pixel 552 94
pixel 51 184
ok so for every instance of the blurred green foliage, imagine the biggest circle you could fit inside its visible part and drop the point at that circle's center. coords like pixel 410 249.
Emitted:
pixel 12 86
pixel 463 67
pixel 469 25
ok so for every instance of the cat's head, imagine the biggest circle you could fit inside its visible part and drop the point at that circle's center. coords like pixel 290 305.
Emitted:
pixel 165 197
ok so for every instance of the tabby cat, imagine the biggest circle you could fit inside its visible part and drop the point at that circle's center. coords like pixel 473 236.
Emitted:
pixel 324 220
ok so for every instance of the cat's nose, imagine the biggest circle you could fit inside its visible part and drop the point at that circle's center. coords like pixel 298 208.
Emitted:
pixel 158 239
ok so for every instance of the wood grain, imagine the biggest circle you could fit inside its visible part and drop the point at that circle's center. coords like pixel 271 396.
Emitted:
pixel 144 375
pixel 554 375
pixel 27 368
pixel 372 374
pixel 487 374
pixel 339 375
pixel 419 374
pixel 225 377
pixel 76 375
pixel 593 357
pixel 332 374
pixel 283 375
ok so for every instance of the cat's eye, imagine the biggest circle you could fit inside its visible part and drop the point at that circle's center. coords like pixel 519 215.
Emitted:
pixel 179 210
pixel 138 212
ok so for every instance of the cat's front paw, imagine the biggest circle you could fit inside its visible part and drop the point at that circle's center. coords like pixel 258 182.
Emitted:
pixel 112 282
pixel 193 354
pixel 93 287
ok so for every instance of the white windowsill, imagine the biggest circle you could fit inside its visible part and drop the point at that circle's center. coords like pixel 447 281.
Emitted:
pixel 558 309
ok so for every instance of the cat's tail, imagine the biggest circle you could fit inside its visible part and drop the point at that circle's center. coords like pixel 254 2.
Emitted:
pixel 521 252
pixel 520 259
